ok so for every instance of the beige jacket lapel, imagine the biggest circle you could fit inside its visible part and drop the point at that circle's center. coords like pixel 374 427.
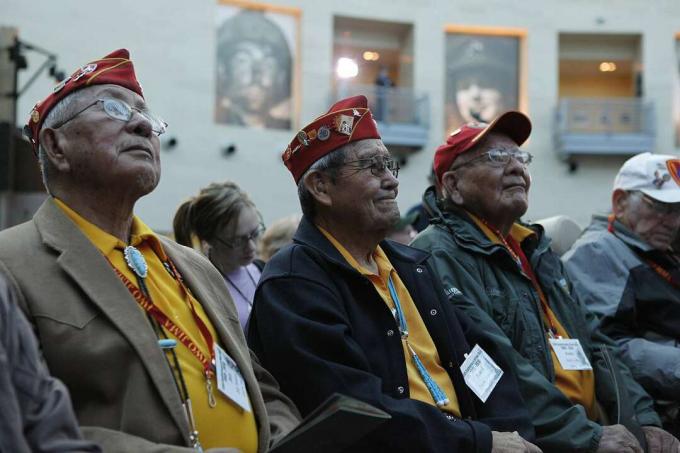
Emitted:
pixel 90 270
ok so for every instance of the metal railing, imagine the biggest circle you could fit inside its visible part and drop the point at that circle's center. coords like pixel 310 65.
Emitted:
pixel 391 105
pixel 622 126
pixel 605 116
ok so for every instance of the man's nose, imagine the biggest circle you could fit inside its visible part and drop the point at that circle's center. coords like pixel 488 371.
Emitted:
pixel 140 125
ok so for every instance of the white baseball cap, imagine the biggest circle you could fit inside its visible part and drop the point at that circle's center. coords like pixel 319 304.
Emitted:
pixel 655 175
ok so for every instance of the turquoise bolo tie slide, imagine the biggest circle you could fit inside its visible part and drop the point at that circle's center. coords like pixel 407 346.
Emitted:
pixel 135 261
pixel 167 343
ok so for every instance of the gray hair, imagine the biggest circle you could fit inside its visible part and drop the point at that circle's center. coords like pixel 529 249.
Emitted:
pixel 61 112
pixel 329 164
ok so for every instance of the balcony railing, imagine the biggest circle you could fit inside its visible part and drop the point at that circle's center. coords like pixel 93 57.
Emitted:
pixel 403 116
pixel 617 126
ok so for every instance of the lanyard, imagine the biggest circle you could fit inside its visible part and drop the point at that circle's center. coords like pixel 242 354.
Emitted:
pixel 137 264
pixel 149 307
pixel 529 272
pixel 663 273
pixel 515 250
pixel 437 393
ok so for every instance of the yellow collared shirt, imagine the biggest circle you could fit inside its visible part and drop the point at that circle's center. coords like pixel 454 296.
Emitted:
pixel 418 336
pixel 225 425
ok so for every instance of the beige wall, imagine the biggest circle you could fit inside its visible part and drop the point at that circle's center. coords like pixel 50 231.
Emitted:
pixel 173 46
pixel 594 86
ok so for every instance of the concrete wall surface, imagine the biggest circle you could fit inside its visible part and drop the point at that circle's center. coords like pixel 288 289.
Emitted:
pixel 173 46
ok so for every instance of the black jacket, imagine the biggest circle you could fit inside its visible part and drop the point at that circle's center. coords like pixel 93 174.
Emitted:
pixel 321 327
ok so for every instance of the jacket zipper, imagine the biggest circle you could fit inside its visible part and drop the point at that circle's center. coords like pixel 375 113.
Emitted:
pixel 610 365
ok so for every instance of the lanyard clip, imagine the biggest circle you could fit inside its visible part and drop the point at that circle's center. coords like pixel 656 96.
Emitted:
pixel 167 343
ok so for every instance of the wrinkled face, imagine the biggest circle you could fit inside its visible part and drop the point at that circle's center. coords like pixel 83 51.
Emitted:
pixel 365 200
pixel 478 103
pixel 649 219
pixel 497 193
pixel 106 153
pixel 238 241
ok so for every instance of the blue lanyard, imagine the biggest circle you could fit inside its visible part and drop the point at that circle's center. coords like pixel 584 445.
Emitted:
pixel 437 393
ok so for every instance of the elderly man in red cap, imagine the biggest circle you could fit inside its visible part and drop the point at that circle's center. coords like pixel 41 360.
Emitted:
pixel 141 330
pixel 343 310
pixel 503 274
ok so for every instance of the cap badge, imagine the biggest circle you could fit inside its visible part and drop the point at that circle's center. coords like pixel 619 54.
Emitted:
pixel 85 70
pixel 287 154
pixel 311 134
pixel 344 124
pixel 324 133
pixel 61 84
pixel 660 179
pixel 35 116
pixel 302 138
pixel 673 166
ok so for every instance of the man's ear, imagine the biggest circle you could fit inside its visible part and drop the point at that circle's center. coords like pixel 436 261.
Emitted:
pixel 620 201
pixel 53 143
pixel 450 188
pixel 318 183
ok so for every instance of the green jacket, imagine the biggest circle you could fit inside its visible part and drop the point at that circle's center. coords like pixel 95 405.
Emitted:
pixel 483 280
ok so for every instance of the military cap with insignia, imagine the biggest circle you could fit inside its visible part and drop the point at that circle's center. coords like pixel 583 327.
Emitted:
pixel 347 121
pixel 116 68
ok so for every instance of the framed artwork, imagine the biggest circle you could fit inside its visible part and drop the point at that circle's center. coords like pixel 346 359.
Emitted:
pixel 483 73
pixel 256 61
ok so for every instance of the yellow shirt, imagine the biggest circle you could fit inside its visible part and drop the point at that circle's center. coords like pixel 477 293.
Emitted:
pixel 418 336
pixel 225 425
pixel 578 386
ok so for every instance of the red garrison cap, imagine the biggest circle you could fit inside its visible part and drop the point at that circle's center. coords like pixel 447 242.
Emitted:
pixel 515 125
pixel 115 68
pixel 348 120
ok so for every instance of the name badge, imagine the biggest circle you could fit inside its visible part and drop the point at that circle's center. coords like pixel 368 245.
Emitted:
pixel 229 379
pixel 481 373
pixel 570 354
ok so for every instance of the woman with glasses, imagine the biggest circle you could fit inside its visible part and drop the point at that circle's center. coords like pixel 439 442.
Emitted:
pixel 225 224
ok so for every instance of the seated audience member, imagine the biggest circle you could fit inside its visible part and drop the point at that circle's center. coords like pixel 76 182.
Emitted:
pixel 503 274
pixel 278 235
pixel 624 268
pixel 228 226
pixel 128 320
pixel 36 410
pixel 342 310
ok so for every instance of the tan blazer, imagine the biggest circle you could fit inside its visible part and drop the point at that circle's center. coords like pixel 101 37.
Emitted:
pixel 95 338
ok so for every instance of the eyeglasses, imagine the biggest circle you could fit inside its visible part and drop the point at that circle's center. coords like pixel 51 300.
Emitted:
pixel 499 157
pixel 377 165
pixel 121 111
pixel 658 207
pixel 241 241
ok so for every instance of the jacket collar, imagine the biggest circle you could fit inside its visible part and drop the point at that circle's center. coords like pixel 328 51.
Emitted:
pixel 469 237
pixel 88 269
pixel 622 232
pixel 308 234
